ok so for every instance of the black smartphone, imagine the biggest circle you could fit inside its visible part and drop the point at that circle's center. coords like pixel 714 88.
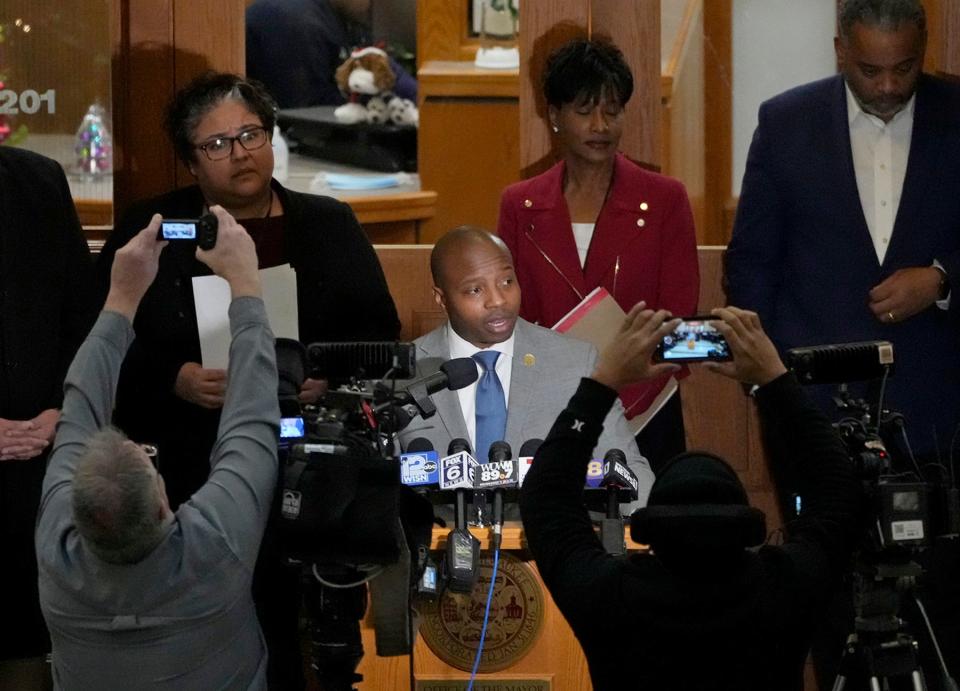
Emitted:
pixel 202 231
pixel 178 229
pixel 695 339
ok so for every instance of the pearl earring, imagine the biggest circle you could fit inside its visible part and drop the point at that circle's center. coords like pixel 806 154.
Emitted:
pixel 555 129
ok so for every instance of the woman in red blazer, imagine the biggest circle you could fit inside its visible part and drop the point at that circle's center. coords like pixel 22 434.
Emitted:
pixel 597 219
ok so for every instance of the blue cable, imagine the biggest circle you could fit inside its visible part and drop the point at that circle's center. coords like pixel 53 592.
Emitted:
pixel 486 618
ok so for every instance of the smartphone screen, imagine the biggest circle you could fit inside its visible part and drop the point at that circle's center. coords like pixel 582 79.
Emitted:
pixel 291 427
pixel 694 340
pixel 178 230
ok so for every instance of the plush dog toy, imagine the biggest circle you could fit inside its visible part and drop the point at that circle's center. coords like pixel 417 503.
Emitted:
pixel 367 80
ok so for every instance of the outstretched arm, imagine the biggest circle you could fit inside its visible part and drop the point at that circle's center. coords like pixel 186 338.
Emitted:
pixel 237 496
pixel 556 524
pixel 92 378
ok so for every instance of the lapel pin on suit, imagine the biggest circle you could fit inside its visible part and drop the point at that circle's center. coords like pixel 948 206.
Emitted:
pixel 529 360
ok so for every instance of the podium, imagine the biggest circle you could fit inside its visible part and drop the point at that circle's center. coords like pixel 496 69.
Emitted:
pixel 529 644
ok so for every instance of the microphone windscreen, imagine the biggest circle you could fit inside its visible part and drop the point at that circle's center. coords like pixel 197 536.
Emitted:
pixel 530 447
pixel 460 372
pixel 291 361
pixel 500 451
pixel 615 455
pixel 458 445
pixel 419 445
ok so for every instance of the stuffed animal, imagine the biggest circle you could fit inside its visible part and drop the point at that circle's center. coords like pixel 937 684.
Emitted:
pixel 367 80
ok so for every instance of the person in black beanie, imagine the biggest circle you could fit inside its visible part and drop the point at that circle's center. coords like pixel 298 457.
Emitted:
pixel 700 610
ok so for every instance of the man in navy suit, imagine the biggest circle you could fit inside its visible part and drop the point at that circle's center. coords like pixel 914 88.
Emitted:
pixel 848 228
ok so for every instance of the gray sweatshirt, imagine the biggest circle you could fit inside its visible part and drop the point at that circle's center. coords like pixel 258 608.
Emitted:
pixel 183 617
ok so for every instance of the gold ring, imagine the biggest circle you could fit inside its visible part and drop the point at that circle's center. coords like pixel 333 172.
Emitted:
pixel 891 317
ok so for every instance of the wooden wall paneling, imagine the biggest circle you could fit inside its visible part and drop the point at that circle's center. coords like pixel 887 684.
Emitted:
pixel 718 105
pixel 407 269
pixel 194 24
pixel 683 116
pixel 158 47
pixel 143 82
pixel 950 37
pixel 634 26
pixel 544 27
pixel 441 29
pixel 936 38
pixel 468 152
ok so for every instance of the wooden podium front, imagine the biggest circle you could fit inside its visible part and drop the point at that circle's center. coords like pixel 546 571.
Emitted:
pixel 552 660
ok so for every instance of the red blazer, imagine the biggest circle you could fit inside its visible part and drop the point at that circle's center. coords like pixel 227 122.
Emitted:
pixel 644 247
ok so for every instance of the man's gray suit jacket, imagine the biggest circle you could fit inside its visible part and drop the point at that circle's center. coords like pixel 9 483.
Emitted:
pixel 547 368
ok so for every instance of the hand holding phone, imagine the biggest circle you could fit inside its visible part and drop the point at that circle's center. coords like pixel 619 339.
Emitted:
pixel 202 231
pixel 755 359
pixel 695 339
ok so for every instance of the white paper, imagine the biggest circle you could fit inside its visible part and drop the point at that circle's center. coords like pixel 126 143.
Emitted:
pixel 211 294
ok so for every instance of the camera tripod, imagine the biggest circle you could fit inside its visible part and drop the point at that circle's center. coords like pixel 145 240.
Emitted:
pixel 880 650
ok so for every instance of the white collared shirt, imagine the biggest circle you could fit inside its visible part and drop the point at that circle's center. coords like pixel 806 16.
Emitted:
pixel 880 153
pixel 468 395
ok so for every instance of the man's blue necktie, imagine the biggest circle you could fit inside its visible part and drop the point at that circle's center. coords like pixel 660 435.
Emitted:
pixel 491 406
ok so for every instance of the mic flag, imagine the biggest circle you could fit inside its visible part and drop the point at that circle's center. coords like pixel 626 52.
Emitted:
pixel 528 450
pixel 617 475
pixel 420 464
pixel 457 471
pixel 499 471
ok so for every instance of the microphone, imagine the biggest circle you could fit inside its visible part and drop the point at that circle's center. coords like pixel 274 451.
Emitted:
pixel 420 464
pixel 461 560
pixel 528 450
pixel 497 473
pixel 453 374
pixel 841 362
pixel 616 476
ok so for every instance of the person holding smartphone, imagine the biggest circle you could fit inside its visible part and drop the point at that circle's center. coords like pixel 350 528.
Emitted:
pixel 701 609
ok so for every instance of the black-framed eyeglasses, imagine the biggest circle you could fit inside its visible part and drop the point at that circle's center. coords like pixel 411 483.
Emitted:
pixel 220 148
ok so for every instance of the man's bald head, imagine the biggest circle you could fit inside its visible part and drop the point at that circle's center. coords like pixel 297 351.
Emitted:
pixel 458 242
pixel 475 284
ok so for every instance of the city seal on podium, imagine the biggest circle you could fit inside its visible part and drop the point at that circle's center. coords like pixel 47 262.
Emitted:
pixel 452 625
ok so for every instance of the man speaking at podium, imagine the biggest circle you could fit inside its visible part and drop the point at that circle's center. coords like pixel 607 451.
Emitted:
pixel 526 372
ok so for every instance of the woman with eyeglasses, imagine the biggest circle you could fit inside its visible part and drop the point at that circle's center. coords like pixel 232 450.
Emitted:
pixel 221 126
pixel 596 219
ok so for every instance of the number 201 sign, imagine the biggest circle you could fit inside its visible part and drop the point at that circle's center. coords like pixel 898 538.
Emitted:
pixel 27 101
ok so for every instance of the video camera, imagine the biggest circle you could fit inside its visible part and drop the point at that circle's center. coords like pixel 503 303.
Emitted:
pixel 903 511
pixel 344 517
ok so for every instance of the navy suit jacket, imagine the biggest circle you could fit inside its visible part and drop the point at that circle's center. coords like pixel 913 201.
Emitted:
pixel 801 253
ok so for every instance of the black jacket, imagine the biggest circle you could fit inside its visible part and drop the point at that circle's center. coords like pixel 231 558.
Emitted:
pixel 692 623
pixel 47 305
pixel 342 295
